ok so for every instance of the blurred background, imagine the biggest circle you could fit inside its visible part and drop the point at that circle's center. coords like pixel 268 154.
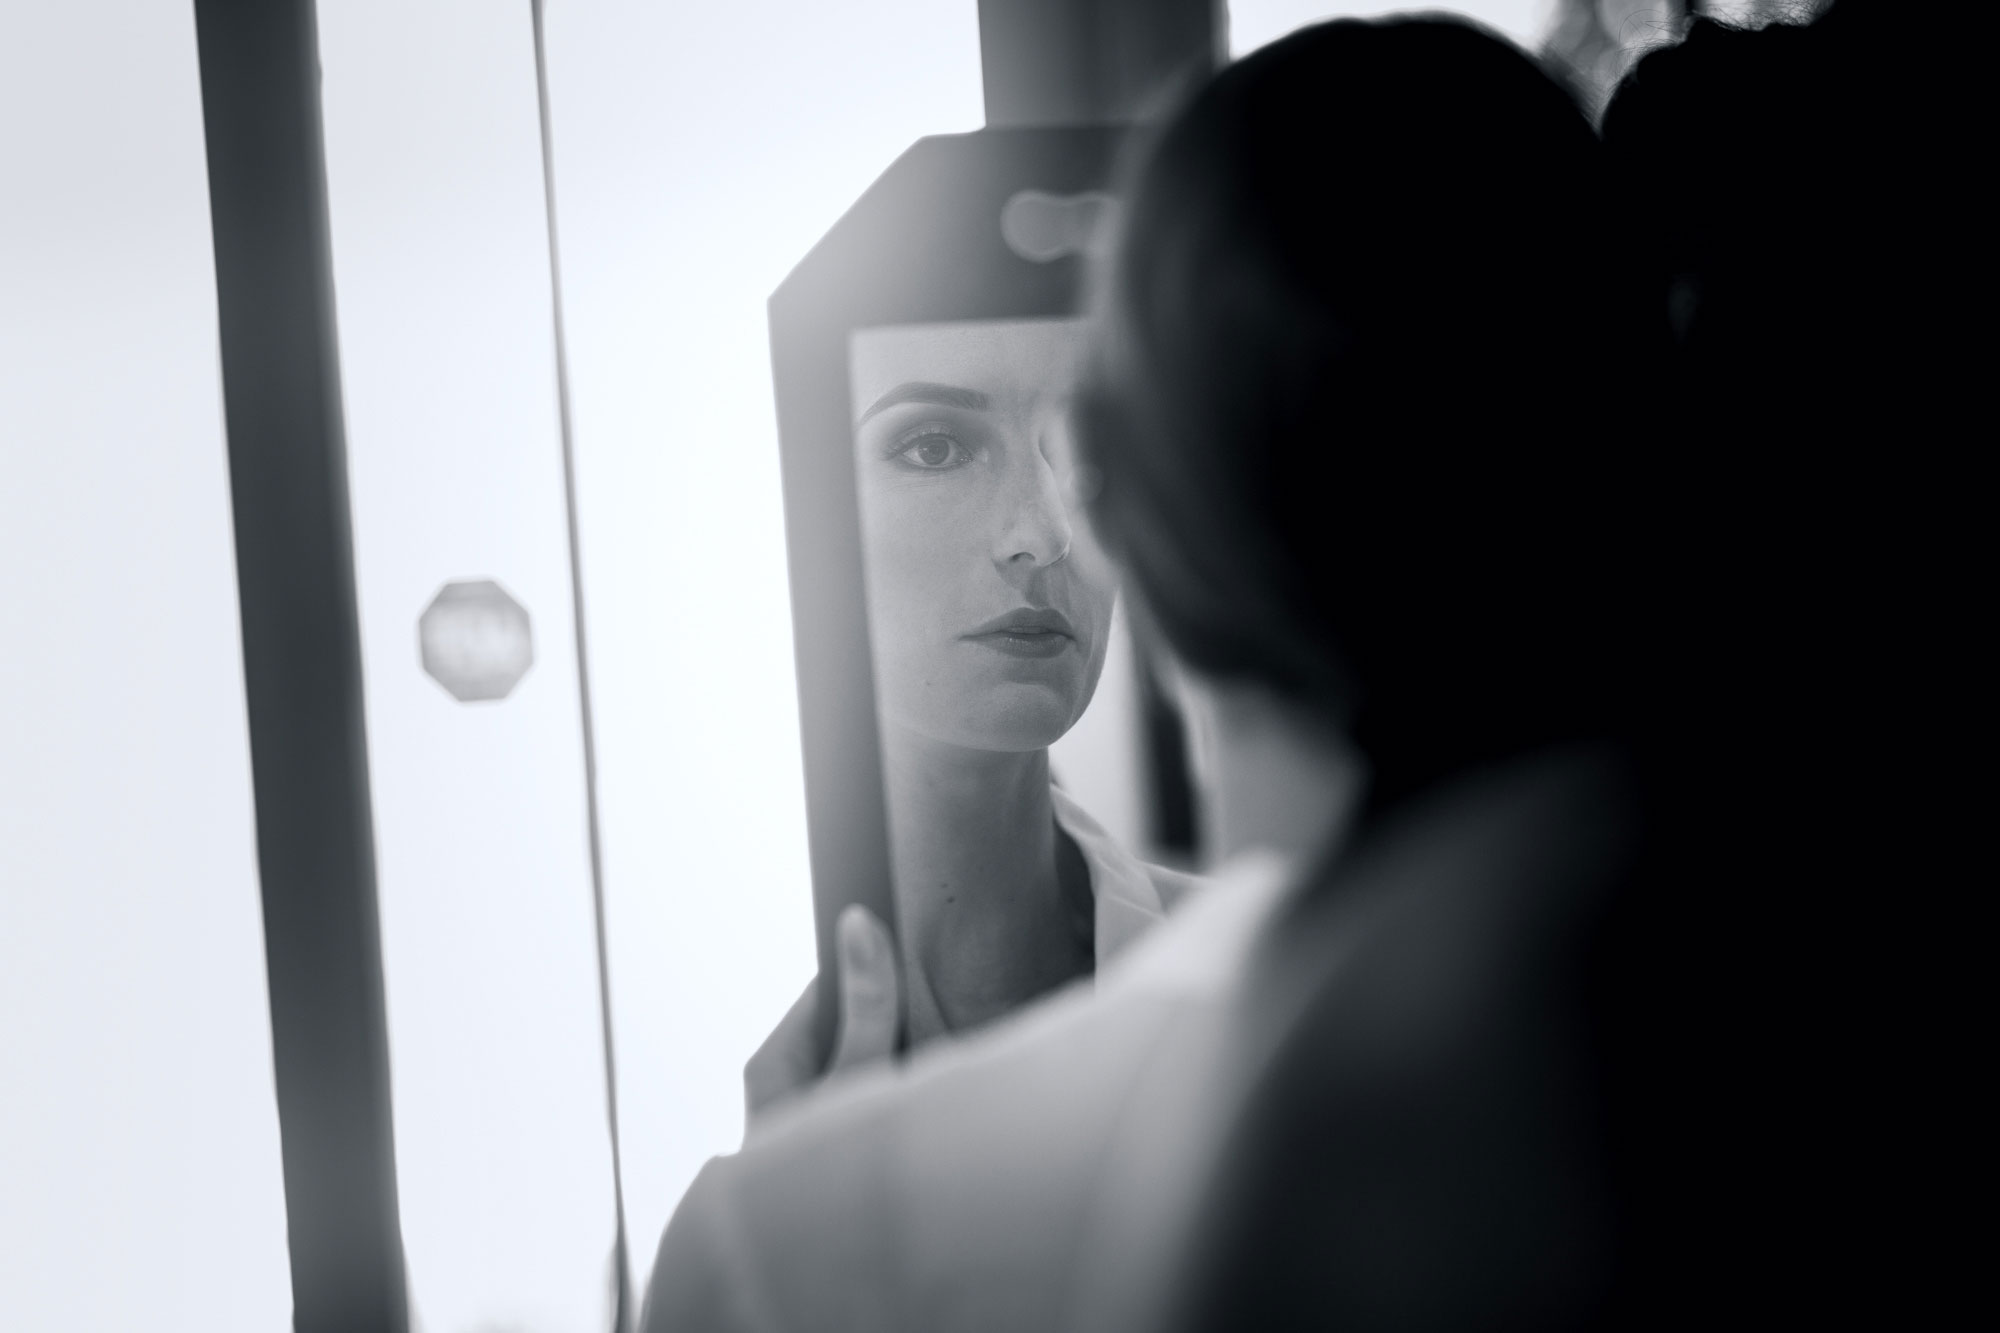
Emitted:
pixel 699 150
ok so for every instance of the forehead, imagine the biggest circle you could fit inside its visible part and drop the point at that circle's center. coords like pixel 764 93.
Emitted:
pixel 1008 360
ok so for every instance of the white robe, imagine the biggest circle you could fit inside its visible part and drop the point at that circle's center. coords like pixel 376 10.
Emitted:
pixel 956 1190
pixel 1132 896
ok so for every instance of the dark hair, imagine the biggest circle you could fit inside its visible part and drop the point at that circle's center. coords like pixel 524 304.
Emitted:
pixel 1352 408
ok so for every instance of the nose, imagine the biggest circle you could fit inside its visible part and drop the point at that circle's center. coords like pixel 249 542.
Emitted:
pixel 1036 528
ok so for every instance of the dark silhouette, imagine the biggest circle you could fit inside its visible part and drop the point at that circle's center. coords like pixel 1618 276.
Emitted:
pixel 1600 547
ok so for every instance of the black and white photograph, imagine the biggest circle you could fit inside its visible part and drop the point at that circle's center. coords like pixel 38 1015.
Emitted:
pixel 989 666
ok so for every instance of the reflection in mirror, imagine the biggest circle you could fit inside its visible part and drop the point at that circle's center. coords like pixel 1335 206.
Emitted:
pixel 991 617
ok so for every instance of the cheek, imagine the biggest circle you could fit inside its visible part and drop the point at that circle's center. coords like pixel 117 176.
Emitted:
pixel 921 542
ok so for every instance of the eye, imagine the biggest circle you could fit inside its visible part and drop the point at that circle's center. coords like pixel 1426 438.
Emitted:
pixel 931 449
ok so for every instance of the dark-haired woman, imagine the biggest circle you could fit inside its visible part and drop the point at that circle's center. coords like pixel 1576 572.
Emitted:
pixel 1353 445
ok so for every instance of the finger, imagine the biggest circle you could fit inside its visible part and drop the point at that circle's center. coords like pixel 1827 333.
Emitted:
pixel 870 991
pixel 787 1061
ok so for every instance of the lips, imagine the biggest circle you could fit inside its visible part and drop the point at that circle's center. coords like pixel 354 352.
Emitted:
pixel 1026 632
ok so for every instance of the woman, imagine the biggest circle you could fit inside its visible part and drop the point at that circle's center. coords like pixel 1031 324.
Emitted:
pixel 1347 417
pixel 990 613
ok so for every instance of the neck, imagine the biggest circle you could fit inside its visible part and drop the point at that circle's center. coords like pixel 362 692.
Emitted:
pixel 982 918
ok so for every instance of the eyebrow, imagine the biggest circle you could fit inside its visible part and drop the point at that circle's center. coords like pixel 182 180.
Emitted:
pixel 923 391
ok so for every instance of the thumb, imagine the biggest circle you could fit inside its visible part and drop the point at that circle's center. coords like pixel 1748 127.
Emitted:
pixel 870 990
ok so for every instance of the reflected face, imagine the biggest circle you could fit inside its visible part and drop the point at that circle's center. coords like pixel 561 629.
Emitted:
pixel 989 606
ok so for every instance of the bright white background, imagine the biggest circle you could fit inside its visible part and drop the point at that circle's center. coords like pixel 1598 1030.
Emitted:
pixel 1252 23
pixel 140 1183
pixel 441 279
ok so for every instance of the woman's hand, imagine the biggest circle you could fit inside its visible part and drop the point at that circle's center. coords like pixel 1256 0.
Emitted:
pixel 871 1006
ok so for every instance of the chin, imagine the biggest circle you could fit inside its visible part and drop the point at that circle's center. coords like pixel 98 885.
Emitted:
pixel 1011 718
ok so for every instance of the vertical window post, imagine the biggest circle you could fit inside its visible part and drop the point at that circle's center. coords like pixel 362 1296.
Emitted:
pixel 301 659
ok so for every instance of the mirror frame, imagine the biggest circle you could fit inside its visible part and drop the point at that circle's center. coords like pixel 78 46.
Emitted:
pixel 922 245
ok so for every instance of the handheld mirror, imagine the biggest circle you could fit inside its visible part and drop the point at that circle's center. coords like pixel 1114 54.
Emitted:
pixel 952 616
